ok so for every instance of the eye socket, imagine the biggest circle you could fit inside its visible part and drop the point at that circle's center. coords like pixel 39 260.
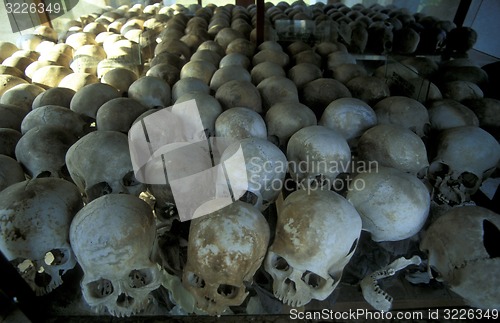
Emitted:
pixel 227 291
pixel 312 279
pixel 195 280
pixel 100 288
pixel 140 278
pixel 44 174
pixel 281 264
pixel 55 257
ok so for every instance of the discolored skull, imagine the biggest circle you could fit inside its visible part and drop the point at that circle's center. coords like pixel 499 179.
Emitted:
pixel 393 205
pixel 462 244
pixel 225 249
pixel 466 156
pixel 99 163
pixel 112 238
pixel 34 230
pixel 317 155
pixel 316 235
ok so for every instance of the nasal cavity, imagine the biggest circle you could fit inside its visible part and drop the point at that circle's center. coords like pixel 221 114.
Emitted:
pixel 124 300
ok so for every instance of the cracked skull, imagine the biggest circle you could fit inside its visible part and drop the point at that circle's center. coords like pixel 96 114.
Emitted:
pixel 316 235
pixel 113 238
pixel 225 249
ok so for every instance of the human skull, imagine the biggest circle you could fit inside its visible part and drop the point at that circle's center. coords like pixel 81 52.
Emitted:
pixel 8 141
pixel 86 59
pixel 237 93
pixel 393 146
pixel 169 73
pixel 209 109
pixel 316 235
pixel 113 238
pixel 175 156
pixel 99 163
pixel 42 150
pixel 466 156
pixel 257 176
pixel 229 73
pixel 393 205
pixel 76 81
pixel 264 70
pixel 317 155
pixel 235 59
pixel 276 89
pixel 351 117
pixel 202 70
pixel 461 244
pixel 188 85
pixel 12 116
pixel 225 249
pixel 285 118
pixel 60 96
pixel 34 235
pixel 21 95
pixel 303 73
pixel 240 123
pixel 119 78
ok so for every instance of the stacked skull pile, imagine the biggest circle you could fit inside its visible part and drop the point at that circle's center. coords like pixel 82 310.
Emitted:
pixel 301 147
